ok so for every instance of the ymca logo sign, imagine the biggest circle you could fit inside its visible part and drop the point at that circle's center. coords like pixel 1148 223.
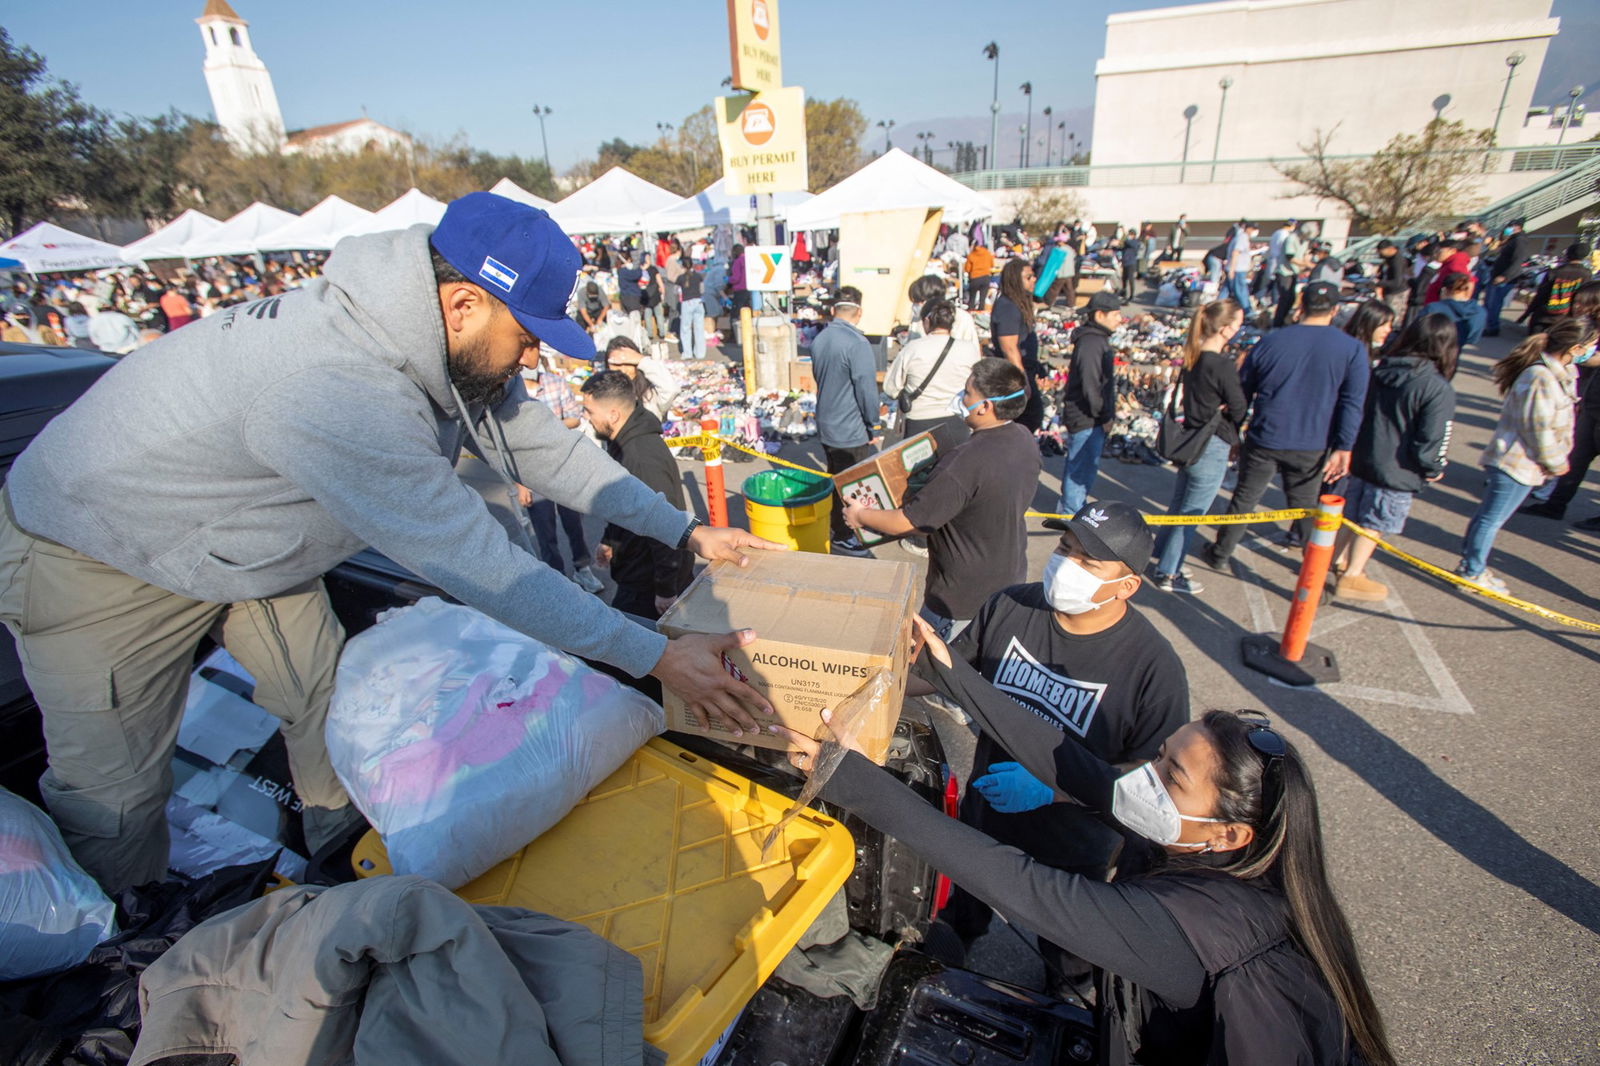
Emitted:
pixel 1060 700
pixel 767 268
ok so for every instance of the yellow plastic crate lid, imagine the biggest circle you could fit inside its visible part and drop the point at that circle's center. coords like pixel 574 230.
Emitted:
pixel 663 859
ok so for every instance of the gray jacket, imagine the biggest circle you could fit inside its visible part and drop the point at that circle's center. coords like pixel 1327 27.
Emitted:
pixel 847 386
pixel 257 448
pixel 390 971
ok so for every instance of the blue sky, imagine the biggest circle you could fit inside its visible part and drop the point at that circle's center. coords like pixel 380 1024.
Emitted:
pixel 607 69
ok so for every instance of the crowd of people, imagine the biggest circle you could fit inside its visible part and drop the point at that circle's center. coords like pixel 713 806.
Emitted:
pixel 1067 683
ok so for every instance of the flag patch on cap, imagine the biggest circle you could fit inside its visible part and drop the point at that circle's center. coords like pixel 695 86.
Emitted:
pixel 497 273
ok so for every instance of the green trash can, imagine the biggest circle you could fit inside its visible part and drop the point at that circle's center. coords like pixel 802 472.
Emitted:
pixel 790 507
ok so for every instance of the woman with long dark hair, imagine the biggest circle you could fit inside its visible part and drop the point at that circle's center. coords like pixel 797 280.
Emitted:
pixel 1532 439
pixel 1371 323
pixel 1212 396
pixel 1402 446
pixel 1221 939
pixel 1011 325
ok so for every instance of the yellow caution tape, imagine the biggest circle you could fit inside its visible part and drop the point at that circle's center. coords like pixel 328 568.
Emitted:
pixel 1287 515
pixel 1461 582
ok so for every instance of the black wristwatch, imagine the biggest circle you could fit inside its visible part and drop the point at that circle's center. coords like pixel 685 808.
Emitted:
pixel 683 541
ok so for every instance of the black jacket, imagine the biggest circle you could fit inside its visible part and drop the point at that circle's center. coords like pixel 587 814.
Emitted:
pixel 1405 429
pixel 1091 398
pixel 1197 966
pixel 1214 383
pixel 1554 296
pixel 639 562
pixel 1508 263
pixel 1393 277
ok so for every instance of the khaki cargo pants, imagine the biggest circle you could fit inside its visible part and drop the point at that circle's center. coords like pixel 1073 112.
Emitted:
pixel 108 658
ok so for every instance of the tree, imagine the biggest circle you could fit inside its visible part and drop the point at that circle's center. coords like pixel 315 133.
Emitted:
pixel 1046 205
pixel 1412 179
pixel 834 129
pixel 47 137
pixel 685 159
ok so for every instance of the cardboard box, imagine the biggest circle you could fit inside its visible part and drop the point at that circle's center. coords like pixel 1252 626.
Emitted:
pixel 823 624
pixel 880 480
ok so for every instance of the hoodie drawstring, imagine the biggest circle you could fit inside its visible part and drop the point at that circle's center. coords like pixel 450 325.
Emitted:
pixel 503 466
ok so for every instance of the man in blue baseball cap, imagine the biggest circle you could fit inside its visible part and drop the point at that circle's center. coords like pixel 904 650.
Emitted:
pixel 219 472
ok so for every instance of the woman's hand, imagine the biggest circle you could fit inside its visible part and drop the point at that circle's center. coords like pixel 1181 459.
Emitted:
pixel 935 644
pixel 803 750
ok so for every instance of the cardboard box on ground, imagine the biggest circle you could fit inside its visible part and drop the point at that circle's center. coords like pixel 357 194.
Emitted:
pixel 823 623
pixel 881 480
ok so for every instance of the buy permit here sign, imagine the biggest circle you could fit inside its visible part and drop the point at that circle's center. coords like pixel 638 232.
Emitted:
pixel 763 141
pixel 753 38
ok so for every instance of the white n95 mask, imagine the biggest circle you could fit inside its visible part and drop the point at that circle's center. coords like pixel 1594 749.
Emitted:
pixel 1069 587
pixel 1141 802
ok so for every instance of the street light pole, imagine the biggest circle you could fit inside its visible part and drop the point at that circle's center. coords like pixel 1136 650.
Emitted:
pixel 992 51
pixel 541 112
pixel 1225 84
pixel 1513 61
pixel 1049 134
pixel 1188 122
pixel 1027 90
pixel 886 126
pixel 1022 149
pixel 1572 105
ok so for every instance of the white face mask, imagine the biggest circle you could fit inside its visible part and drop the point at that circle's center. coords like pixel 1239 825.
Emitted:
pixel 1069 587
pixel 1141 802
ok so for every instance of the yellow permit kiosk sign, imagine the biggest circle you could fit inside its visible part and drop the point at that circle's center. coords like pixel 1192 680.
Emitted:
pixel 763 141
pixel 753 37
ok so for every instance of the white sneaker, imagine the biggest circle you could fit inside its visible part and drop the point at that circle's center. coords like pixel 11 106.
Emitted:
pixel 919 550
pixel 1490 581
pixel 586 579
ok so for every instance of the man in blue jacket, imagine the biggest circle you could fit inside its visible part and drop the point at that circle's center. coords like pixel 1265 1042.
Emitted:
pixel 847 400
pixel 1306 384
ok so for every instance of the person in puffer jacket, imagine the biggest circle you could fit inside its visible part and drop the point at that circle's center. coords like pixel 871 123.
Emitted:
pixel 1404 438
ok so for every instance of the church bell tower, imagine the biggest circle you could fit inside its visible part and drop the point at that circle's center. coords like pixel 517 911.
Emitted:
pixel 241 89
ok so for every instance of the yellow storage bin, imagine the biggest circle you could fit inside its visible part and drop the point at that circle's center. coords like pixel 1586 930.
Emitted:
pixel 790 507
pixel 664 860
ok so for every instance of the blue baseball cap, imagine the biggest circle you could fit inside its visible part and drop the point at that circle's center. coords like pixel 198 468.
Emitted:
pixel 518 255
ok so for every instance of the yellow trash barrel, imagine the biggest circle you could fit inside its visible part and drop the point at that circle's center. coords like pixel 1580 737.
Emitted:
pixel 790 507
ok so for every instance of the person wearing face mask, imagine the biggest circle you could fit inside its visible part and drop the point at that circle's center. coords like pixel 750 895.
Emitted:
pixel 648 573
pixel 1221 940
pixel 971 509
pixel 1531 441
pixel 1076 654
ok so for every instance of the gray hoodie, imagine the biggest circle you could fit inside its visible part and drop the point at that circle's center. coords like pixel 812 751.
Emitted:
pixel 259 447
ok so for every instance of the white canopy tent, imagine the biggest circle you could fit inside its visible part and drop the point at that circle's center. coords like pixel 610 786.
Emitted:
pixel 512 191
pixel 169 241
pixel 318 230
pixel 47 248
pixel 615 202
pixel 715 206
pixel 239 234
pixel 893 180
pixel 408 209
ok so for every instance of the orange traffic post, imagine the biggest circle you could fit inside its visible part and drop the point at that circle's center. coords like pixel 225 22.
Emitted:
pixel 716 490
pixel 1291 658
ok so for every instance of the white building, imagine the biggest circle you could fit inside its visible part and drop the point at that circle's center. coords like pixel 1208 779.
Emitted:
pixel 1193 105
pixel 241 89
pixel 1265 75
pixel 246 106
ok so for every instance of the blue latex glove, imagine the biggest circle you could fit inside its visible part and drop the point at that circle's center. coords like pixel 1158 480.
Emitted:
pixel 1010 789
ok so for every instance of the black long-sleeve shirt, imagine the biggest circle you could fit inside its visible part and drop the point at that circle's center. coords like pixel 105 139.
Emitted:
pixel 1120 927
pixel 1214 383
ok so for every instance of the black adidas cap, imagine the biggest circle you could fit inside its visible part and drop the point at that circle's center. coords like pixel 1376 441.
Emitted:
pixel 1110 531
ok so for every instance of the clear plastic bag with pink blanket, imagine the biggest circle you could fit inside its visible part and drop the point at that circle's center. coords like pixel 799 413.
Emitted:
pixel 462 740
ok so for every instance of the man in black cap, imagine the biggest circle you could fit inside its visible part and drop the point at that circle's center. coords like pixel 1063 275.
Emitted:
pixel 1306 384
pixel 1091 399
pixel 1071 650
